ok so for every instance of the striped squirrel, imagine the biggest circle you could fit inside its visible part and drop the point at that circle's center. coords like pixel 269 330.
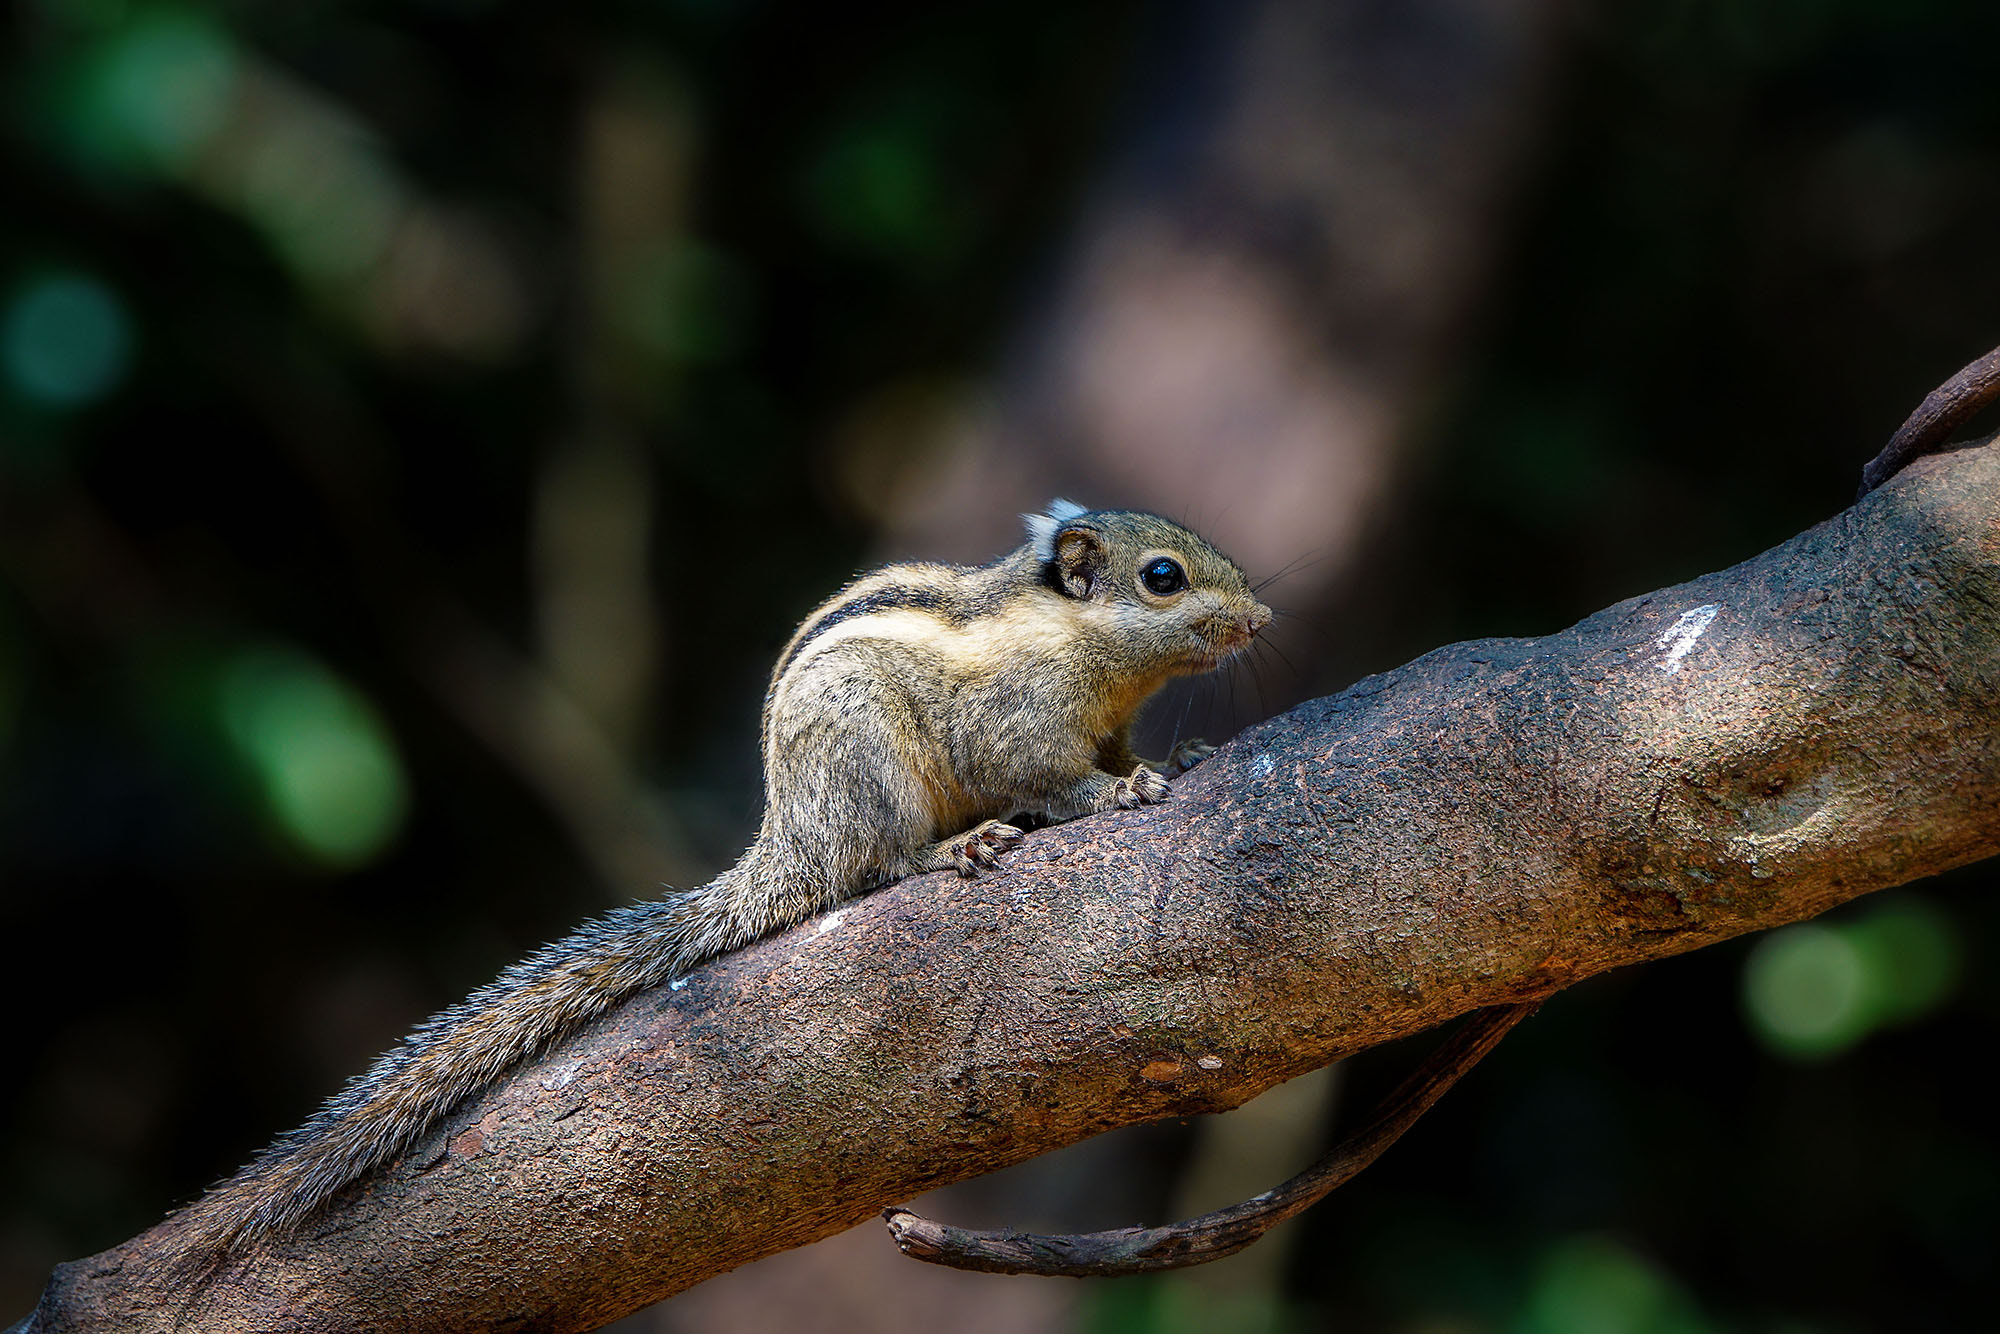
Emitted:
pixel 908 715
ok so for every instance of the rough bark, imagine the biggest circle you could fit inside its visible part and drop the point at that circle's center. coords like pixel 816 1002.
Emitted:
pixel 1490 823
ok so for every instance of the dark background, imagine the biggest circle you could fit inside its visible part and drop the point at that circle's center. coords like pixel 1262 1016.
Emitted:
pixel 421 423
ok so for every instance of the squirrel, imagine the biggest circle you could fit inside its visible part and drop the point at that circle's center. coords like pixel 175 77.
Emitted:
pixel 908 717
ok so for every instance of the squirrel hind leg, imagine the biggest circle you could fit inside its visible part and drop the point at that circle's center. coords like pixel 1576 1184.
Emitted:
pixel 852 790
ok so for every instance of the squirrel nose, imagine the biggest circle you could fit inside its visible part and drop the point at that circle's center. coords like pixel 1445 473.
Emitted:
pixel 1255 619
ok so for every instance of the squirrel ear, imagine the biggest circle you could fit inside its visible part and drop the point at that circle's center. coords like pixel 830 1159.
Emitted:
pixel 1079 558
pixel 1042 527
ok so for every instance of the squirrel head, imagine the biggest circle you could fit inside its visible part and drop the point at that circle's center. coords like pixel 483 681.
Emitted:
pixel 1164 592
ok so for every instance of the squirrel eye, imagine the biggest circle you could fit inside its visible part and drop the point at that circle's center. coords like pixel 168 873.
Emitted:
pixel 1164 576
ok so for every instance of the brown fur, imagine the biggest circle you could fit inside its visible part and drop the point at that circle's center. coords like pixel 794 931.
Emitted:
pixel 909 716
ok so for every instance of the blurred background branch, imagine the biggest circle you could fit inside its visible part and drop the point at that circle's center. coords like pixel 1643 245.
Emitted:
pixel 420 425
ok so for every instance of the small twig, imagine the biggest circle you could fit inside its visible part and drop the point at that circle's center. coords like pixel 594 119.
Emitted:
pixel 1947 407
pixel 1139 1250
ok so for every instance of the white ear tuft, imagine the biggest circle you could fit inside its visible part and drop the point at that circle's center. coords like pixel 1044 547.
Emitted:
pixel 1042 527
pixel 1042 535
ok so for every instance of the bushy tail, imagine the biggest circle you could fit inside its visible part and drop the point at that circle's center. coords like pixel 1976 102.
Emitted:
pixel 453 1055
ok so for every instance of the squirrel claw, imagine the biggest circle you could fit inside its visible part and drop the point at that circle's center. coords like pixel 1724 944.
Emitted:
pixel 981 848
pixel 1142 786
pixel 1186 756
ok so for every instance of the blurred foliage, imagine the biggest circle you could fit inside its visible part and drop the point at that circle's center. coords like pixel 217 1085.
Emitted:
pixel 1816 989
pixel 356 359
pixel 65 340
pixel 327 770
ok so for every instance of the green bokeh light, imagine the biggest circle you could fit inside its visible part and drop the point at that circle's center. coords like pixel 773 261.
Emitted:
pixel 328 769
pixel 65 340
pixel 1806 988
pixel 1593 1285
pixel 1912 956
pixel 1816 989
pixel 318 188
pixel 152 94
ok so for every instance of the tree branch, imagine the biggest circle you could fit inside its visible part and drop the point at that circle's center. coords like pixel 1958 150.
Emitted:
pixel 1140 1250
pixel 1945 409
pixel 1494 821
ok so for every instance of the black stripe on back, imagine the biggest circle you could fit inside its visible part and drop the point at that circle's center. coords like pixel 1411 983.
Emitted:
pixel 882 599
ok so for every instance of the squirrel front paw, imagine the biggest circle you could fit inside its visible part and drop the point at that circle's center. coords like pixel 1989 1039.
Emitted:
pixel 1141 786
pixel 1186 756
pixel 981 847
